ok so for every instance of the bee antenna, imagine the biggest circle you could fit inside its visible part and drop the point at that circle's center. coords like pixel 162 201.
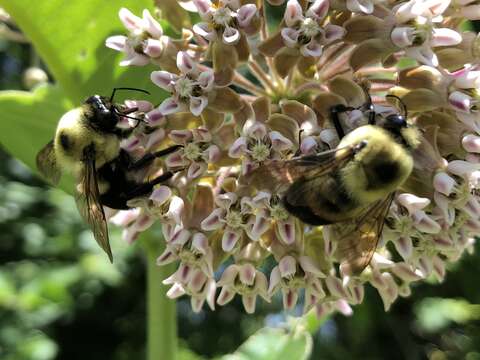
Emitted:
pixel 404 107
pixel 127 88
pixel 129 117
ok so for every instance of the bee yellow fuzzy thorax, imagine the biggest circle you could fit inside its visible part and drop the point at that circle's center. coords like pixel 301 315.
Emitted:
pixel 73 134
pixel 379 168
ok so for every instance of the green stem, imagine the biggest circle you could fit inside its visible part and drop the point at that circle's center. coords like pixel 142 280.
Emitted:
pixel 161 312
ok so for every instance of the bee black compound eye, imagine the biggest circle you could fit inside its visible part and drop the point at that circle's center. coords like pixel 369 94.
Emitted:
pixel 65 141
pixel 396 121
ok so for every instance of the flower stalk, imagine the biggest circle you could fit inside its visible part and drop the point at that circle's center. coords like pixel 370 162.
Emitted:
pixel 161 316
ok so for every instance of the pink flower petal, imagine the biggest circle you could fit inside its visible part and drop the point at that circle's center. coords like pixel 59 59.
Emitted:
pixel 332 33
pixel 365 6
pixel 238 148
pixel 404 246
pixel 293 13
pixel 313 49
pixel 445 37
pixel 130 21
pixel 116 42
pixel 185 63
pixel 403 36
pixel 335 287
pixel 204 30
pixel 275 278
pixel 249 303
pixel 176 291
pixel 124 217
pixel 203 6
pixel 153 48
pixel 170 106
pixel 213 221
pixel 287 266
pixel 260 225
pixel 151 25
pixel 161 194
pixel 286 231
pixel 279 142
pixel 290 298
pixel 200 243
pixel 247 274
pixel 164 79
pixel 226 295
pixel 231 36
pixel 290 37
pixel 196 303
pixel 228 276
pixel 196 170
pixel 318 10
pixel 245 15
pixel 229 240
pixel 444 183
pixel 166 257
pixel 309 266
pixel 134 59
pixel 181 136
pixel 212 154
pixel 412 202
pixel 206 79
pixel 175 210
pixel 176 160
pixel 197 104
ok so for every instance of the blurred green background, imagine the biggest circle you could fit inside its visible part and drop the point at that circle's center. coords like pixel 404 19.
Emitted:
pixel 61 299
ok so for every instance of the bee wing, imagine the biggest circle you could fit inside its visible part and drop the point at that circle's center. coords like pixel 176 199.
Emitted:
pixel 357 240
pixel 90 207
pixel 47 163
pixel 308 167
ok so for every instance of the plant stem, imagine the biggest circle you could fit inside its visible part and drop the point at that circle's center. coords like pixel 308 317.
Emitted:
pixel 161 312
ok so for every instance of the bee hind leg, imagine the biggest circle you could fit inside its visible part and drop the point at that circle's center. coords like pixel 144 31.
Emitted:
pixel 146 188
pixel 148 158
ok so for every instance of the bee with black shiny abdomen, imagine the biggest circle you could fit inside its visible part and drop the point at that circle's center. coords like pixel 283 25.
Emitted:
pixel 87 143
pixel 351 188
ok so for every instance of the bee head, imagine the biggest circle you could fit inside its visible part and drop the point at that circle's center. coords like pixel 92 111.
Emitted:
pixel 103 115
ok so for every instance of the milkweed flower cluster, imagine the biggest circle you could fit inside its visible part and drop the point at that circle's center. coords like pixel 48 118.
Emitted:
pixel 239 93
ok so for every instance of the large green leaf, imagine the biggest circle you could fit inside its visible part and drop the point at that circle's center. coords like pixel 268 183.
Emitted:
pixel 273 344
pixel 70 38
pixel 29 119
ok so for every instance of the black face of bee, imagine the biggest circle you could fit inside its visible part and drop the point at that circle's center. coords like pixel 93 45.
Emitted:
pixel 394 123
pixel 104 117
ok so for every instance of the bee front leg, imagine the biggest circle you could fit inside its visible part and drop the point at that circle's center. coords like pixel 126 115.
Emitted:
pixel 148 158
pixel 334 111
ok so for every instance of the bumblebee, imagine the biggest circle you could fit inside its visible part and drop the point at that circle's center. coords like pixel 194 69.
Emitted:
pixel 351 188
pixel 87 143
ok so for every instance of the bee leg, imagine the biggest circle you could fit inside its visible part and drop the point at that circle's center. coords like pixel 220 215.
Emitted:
pixel 148 158
pixel 297 153
pixel 334 111
pixel 146 188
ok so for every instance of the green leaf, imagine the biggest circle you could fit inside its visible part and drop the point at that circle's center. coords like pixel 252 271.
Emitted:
pixel 29 120
pixel 273 344
pixel 70 38
pixel 435 314
pixel 28 123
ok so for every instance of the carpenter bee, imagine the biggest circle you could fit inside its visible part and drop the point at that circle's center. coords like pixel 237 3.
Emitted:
pixel 87 143
pixel 351 188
